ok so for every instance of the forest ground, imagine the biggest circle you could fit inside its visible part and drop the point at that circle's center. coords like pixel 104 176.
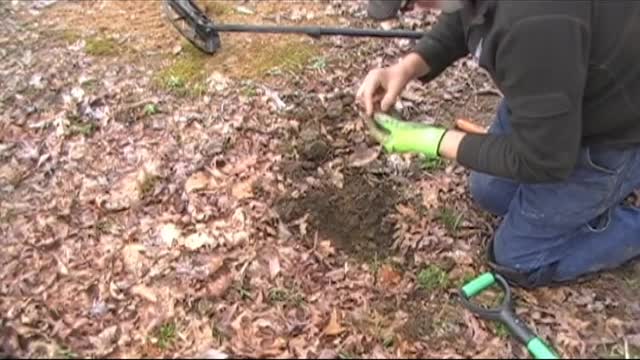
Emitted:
pixel 156 201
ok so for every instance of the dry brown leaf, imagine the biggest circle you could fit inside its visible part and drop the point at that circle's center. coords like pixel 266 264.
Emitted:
pixel 242 190
pixel 490 350
pixel 124 194
pixel 300 347
pixel 220 286
pixel 62 268
pixel 333 328
pixel 478 335
pixel 10 173
pixel 284 233
pixel 214 263
pixel 197 240
pixel 430 192
pixel 406 211
pixel 169 233
pixel 389 277
pixel 144 292
pixel 380 353
pixel 213 354
pixel 363 156
pixel 634 340
pixel 326 248
pixel 133 258
pixel 197 181
pixel 328 354
pixel 570 342
pixel 106 340
pixel 237 167
pixel 615 327
pixel 274 267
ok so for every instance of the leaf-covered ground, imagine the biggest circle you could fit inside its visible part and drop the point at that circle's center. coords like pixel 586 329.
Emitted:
pixel 155 201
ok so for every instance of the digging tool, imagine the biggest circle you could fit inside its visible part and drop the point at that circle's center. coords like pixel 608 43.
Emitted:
pixel 504 313
pixel 203 33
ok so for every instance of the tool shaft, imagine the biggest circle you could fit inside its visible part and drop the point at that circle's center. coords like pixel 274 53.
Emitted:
pixel 317 31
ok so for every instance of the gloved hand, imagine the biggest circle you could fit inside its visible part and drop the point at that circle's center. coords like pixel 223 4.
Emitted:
pixel 398 136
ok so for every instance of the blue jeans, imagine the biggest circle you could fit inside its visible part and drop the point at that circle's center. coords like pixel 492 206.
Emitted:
pixel 558 232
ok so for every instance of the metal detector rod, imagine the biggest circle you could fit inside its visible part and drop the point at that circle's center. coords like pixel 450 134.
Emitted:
pixel 316 31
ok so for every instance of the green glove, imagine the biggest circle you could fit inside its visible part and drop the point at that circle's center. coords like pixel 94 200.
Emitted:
pixel 400 136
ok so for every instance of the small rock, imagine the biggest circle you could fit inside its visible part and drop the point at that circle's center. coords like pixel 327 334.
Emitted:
pixel 389 24
pixel 77 93
pixel 315 151
pixel 363 156
pixel 308 165
pixel 197 240
pixel 214 354
pixel 134 259
pixel 213 147
pixel 36 81
pixel 347 100
pixel 169 233
pixel 197 182
pixel 309 134
pixel 334 109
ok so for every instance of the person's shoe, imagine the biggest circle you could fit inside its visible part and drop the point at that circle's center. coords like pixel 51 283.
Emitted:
pixel 513 277
pixel 523 279
pixel 381 10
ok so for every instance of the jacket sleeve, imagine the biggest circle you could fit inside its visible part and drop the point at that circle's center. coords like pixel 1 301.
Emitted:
pixel 443 44
pixel 541 67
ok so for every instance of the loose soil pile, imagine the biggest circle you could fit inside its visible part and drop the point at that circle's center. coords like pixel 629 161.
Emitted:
pixel 354 217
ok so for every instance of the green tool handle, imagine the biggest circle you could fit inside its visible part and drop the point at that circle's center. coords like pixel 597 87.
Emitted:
pixel 539 350
pixel 536 346
pixel 478 285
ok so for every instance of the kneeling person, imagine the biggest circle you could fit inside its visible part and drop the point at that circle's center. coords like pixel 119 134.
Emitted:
pixel 564 149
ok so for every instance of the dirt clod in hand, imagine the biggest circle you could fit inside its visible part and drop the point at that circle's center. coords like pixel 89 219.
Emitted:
pixel 353 218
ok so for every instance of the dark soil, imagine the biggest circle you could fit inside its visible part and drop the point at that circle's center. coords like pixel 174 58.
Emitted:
pixel 353 218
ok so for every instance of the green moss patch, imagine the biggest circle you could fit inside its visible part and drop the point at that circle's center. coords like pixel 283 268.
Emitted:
pixel 432 278
pixel 290 56
pixel 102 46
pixel 186 75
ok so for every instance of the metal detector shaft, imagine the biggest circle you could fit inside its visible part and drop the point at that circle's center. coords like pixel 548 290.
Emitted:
pixel 203 32
pixel 316 31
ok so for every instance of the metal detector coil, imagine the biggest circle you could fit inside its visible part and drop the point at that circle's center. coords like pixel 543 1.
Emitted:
pixel 193 24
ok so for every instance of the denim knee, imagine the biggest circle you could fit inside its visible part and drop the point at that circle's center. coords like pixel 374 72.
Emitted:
pixel 525 275
pixel 490 193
